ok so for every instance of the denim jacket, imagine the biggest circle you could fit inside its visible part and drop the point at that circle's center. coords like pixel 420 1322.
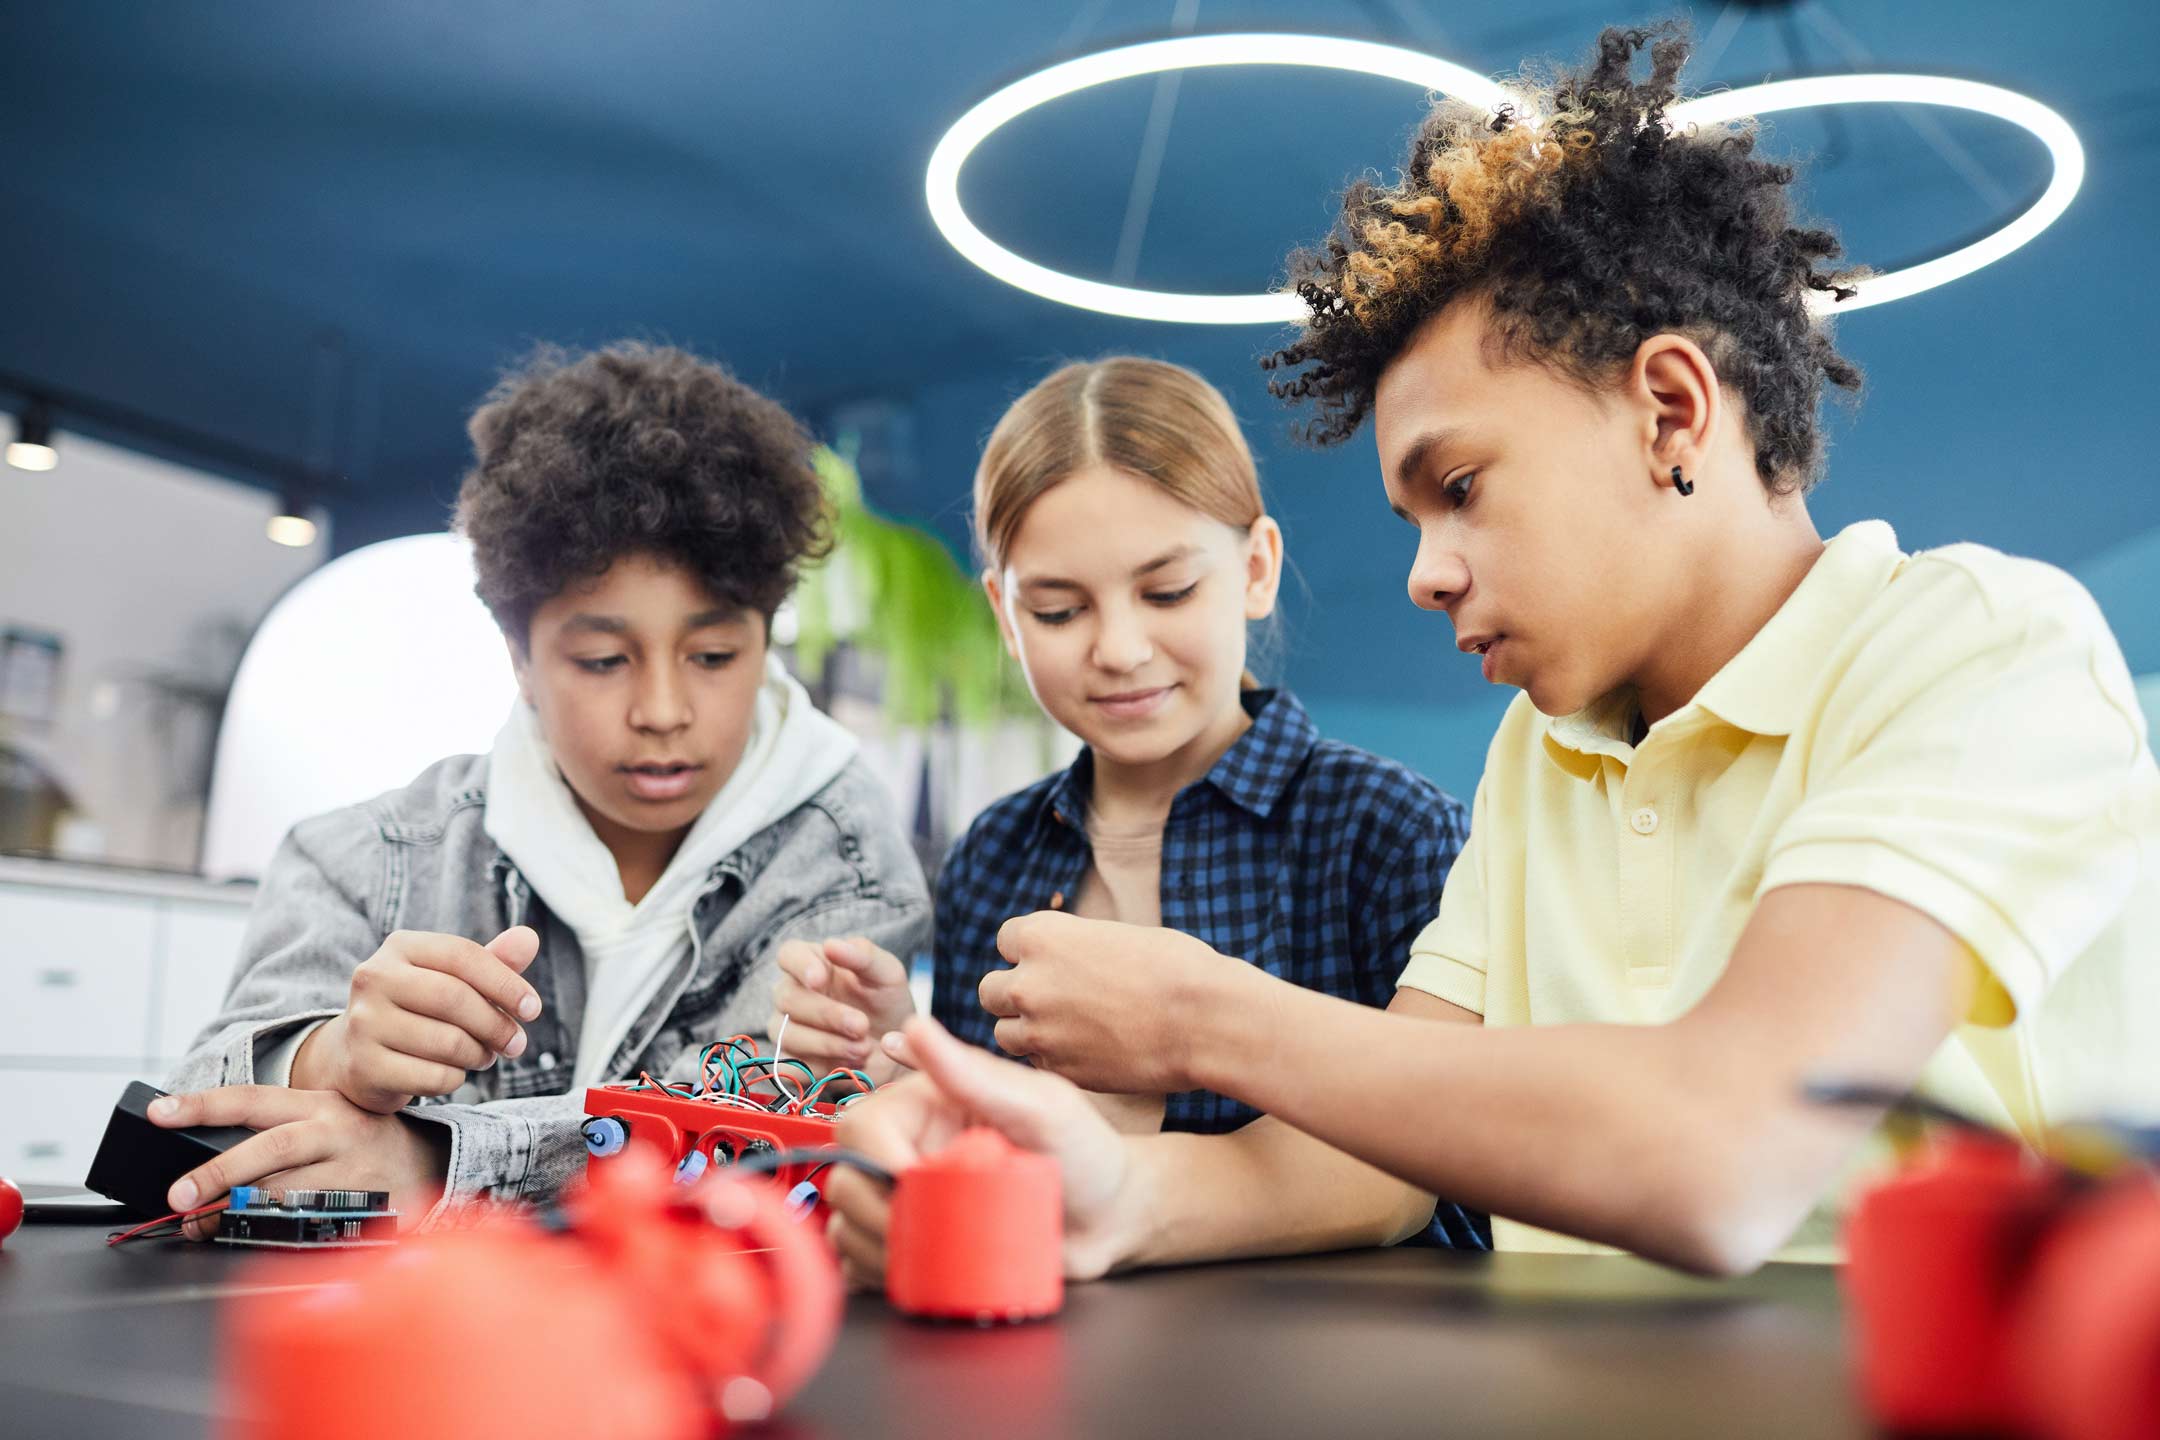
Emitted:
pixel 420 859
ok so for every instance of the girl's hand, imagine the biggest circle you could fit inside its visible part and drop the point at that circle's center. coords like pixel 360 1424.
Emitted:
pixel 424 1009
pixel 306 1140
pixel 961 1086
pixel 837 997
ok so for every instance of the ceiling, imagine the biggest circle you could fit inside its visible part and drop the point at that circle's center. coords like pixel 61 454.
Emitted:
pixel 316 231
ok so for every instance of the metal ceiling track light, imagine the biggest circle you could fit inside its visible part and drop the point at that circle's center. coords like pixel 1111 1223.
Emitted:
pixel 300 487
pixel 32 447
pixel 292 525
pixel 942 181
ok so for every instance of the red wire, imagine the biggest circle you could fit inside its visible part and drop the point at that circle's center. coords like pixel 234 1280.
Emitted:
pixel 123 1236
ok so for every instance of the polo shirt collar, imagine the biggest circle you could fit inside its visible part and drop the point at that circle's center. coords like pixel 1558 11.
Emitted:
pixel 1762 689
pixel 1577 742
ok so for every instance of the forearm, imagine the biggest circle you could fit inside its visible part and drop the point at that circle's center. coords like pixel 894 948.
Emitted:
pixel 1636 1136
pixel 1264 1190
pixel 1128 1114
pixel 1689 1142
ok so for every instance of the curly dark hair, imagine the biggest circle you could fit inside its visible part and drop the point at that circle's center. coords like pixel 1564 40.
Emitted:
pixel 1587 230
pixel 635 449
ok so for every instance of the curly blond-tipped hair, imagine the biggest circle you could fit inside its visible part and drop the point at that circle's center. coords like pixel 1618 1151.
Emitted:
pixel 1588 223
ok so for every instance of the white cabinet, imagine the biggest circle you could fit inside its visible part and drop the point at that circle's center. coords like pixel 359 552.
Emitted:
pixel 105 977
pixel 53 1120
pixel 75 973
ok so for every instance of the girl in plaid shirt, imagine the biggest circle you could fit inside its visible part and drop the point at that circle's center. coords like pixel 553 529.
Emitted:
pixel 1127 553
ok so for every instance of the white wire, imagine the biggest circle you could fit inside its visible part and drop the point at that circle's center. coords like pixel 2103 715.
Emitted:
pixel 779 1037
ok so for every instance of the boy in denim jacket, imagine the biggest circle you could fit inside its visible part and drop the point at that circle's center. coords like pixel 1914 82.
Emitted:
pixel 430 979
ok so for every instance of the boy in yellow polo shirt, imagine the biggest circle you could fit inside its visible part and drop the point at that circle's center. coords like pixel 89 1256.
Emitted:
pixel 1769 807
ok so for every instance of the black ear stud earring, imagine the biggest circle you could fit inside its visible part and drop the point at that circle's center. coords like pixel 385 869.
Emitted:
pixel 1685 487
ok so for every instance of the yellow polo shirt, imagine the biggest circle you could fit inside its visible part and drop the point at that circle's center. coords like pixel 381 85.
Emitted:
pixel 1955 729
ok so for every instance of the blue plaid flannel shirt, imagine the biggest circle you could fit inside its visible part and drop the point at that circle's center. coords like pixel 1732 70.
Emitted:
pixel 1315 860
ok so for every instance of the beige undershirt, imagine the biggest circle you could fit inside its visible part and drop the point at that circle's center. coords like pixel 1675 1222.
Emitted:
pixel 1124 884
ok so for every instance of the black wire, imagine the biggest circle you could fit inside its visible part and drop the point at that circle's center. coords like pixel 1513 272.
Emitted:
pixel 819 1155
pixel 741 1065
pixel 1859 1093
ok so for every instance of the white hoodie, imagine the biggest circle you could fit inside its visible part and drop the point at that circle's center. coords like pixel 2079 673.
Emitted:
pixel 794 751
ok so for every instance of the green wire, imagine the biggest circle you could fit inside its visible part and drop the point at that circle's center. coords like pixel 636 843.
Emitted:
pixel 830 1076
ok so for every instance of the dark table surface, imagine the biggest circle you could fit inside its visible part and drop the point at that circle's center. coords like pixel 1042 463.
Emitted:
pixel 1403 1342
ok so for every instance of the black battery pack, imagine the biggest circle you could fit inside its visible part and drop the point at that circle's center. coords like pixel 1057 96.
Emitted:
pixel 138 1160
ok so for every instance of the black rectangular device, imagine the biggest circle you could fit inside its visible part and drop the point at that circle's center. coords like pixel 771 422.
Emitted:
pixel 138 1160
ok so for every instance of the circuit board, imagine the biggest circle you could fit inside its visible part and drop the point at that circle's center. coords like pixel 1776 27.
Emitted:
pixel 307 1219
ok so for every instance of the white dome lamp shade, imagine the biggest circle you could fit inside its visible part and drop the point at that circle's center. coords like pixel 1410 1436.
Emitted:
pixel 360 677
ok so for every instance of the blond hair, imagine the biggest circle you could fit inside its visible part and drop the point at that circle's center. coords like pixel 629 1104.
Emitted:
pixel 1150 419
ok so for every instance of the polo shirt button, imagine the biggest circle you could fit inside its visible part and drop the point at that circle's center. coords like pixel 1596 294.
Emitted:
pixel 547 1059
pixel 1644 821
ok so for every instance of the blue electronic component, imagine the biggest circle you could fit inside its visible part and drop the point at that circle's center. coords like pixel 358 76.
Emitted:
pixel 604 1135
pixel 692 1166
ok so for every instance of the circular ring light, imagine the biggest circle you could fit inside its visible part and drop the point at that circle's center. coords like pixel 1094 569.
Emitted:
pixel 2050 128
pixel 942 182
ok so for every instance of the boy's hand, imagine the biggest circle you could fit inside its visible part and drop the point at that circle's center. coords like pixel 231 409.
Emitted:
pixel 962 1086
pixel 424 1009
pixel 838 997
pixel 309 1139
pixel 1122 1009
